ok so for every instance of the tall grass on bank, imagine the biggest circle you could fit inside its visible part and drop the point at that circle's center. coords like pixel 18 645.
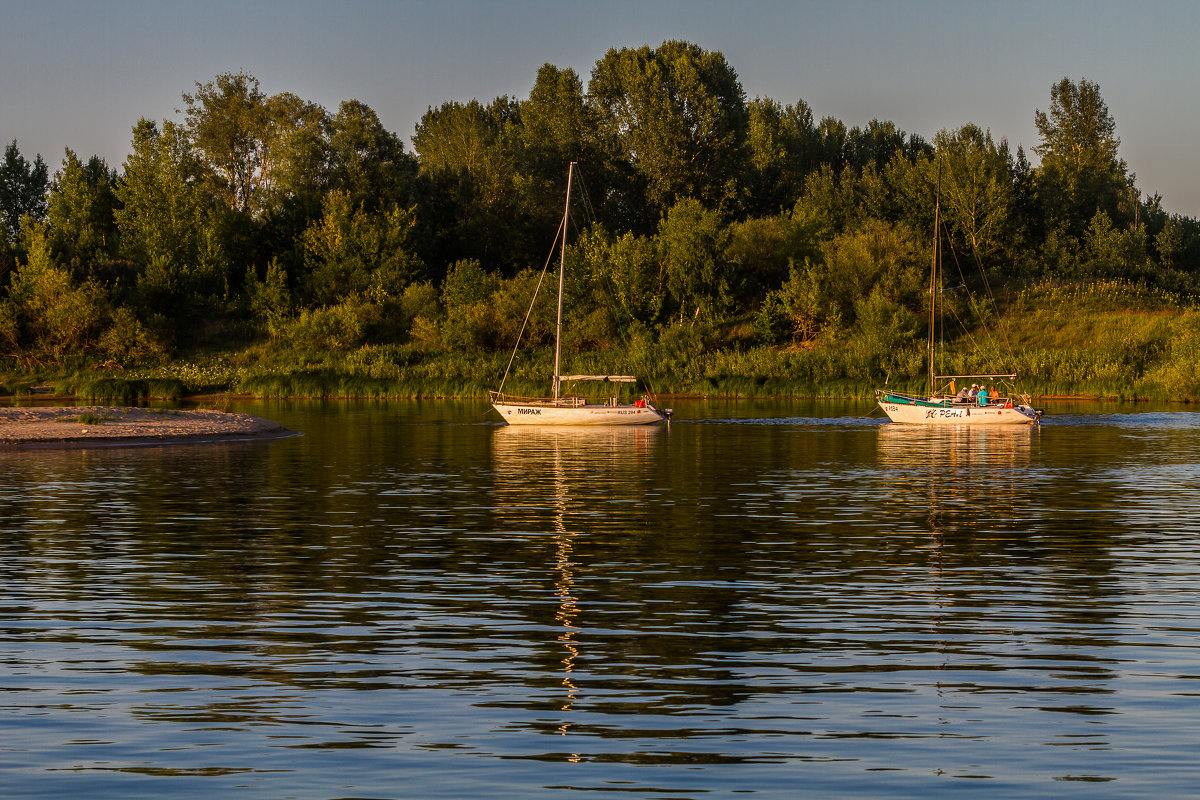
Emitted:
pixel 1051 297
pixel 1106 339
pixel 386 371
pixel 325 384
pixel 16 388
pixel 108 389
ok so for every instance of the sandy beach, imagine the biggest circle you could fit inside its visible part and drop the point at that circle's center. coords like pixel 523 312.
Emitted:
pixel 61 426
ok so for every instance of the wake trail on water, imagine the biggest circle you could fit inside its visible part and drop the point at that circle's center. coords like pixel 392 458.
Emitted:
pixel 1151 419
pixel 812 422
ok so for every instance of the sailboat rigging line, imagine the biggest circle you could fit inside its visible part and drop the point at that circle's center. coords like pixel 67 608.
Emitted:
pixel 995 307
pixel 992 350
pixel 606 281
pixel 532 300
pixel 1003 349
pixel 586 197
pixel 961 324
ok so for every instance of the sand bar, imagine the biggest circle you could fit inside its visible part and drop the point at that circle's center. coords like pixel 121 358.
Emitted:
pixel 60 426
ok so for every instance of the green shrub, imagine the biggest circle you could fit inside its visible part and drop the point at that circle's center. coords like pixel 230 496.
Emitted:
pixel 127 340
pixel 338 327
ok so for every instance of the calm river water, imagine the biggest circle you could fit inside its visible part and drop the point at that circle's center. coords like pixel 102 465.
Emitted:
pixel 764 600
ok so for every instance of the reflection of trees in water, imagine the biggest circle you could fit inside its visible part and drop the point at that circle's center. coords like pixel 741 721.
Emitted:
pixel 1001 553
pixel 662 570
pixel 774 534
pixel 182 508
pixel 908 533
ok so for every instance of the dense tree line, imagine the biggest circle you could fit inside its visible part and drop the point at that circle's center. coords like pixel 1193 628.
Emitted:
pixel 269 218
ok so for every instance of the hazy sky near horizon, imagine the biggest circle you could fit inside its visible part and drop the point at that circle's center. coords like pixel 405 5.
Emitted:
pixel 81 73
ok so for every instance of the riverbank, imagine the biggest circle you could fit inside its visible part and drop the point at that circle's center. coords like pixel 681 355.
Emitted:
pixel 1103 341
pixel 89 426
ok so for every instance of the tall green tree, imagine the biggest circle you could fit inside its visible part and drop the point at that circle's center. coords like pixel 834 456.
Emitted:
pixel 170 226
pixel 691 242
pixel 976 186
pixel 675 116
pixel 1080 172
pixel 784 147
pixel 470 152
pixel 469 137
pixel 296 159
pixel 875 144
pixel 367 160
pixel 83 230
pixel 261 150
pixel 556 128
pixel 835 143
pixel 556 123
pixel 228 121
pixel 23 186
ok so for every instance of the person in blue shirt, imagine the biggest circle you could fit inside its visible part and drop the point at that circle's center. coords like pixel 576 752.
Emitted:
pixel 983 396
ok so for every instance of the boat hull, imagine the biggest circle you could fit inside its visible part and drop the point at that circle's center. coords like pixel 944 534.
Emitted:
pixel 917 412
pixel 515 413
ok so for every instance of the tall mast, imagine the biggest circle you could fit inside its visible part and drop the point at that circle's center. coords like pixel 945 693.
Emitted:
pixel 933 283
pixel 562 266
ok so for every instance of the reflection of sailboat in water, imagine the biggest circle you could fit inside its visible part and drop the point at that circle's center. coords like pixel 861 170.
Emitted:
pixel 957 475
pixel 564 585
pixel 957 499
pixel 578 470
pixel 946 448
pixel 592 460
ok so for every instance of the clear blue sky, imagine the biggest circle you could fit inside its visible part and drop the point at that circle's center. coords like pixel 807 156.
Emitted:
pixel 80 73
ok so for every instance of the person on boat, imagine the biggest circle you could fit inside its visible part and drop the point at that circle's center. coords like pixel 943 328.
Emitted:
pixel 982 397
pixel 964 395
pixel 974 391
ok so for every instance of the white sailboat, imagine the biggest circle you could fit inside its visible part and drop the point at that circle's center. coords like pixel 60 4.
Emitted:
pixel 560 409
pixel 942 406
pixel 945 409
